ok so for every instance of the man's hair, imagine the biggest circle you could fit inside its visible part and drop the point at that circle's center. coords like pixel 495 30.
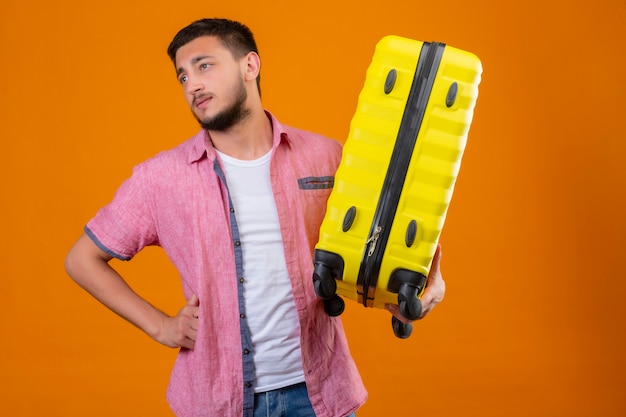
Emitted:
pixel 235 36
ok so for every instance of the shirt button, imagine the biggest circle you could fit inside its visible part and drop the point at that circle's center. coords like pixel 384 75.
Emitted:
pixel 246 351
pixel 242 280
pixel 237 243
pixel 243 316
pixel 248 384
pixel 232 209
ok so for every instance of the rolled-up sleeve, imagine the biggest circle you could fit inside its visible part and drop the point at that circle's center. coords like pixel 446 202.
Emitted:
pixel 126 225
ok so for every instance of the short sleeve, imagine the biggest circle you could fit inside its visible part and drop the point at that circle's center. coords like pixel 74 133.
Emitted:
pixel 126 225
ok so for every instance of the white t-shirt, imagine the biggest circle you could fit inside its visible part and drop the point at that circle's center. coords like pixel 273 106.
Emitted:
pixel 270 309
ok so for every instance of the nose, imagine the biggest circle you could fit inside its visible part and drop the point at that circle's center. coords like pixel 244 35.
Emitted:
pixel 193 85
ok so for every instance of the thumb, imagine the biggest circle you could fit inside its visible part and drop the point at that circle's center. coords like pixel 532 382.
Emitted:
pixel 193 301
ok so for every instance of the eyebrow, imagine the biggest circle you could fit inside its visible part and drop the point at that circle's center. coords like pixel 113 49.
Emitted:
pixel 194 61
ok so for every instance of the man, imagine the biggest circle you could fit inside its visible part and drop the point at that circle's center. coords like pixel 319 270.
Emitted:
pixel 227 208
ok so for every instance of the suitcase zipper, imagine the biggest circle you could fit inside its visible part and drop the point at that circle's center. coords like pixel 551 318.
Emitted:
pixel 427 66
pixel 372 241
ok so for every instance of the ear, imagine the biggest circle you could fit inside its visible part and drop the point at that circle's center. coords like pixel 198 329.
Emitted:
pixel 252 63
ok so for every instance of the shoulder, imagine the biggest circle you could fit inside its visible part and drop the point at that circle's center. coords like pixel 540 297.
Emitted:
pixel 178 158
pixel 307 138
pixel 307 142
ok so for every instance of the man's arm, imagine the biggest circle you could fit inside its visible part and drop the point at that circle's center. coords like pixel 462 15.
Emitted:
pixel 89 267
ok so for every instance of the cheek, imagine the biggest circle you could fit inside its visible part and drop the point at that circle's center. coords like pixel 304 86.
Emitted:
pixel 188 98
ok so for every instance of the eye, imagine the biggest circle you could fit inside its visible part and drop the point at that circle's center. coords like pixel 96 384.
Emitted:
pixel 183 79
pixel 204 66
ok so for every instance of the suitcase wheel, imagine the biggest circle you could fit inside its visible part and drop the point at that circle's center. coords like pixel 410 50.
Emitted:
pixel 328 266
pixel 407 284
pixel 410 305
pixel 400 329
pixel 324 283
pixel 334 306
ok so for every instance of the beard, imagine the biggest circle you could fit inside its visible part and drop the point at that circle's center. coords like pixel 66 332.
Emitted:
pixel 230 116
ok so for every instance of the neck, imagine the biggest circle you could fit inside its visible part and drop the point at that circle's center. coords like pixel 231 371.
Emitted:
pixel 250 139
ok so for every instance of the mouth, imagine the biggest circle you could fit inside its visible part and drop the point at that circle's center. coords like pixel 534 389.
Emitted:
pixel 202 101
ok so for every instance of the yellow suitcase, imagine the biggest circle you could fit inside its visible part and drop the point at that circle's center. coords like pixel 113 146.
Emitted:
pixel 396 178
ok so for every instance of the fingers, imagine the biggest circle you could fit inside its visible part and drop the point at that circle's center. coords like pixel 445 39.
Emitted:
pixel 188 322
pixel 189 342
pixel 185 329
pixel 193 300
pixel 395 310
pixel 182 329
pixel 435 285
pixel 435 268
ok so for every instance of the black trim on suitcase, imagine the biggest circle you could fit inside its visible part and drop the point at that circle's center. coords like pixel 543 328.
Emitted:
pixel 424 78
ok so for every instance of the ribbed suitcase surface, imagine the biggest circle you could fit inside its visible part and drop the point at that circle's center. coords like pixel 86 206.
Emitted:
pixel 397 175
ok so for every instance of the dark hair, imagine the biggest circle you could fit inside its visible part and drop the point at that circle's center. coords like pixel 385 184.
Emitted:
pixel 235 36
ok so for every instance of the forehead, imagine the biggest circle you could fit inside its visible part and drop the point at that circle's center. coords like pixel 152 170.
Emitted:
pixel 203 46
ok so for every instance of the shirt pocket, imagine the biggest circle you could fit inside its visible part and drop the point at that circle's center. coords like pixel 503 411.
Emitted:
pixel 316 183
pixel 313 196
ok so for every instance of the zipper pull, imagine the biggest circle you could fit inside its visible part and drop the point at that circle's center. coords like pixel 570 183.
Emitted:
pixel 373 239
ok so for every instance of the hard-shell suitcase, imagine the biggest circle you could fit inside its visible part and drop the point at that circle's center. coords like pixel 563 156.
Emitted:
pixel 396 178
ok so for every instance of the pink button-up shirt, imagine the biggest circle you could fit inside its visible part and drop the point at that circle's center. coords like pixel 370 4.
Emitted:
pixel 179 200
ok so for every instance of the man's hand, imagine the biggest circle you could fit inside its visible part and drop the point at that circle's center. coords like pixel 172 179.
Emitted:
pixel 433 294
pixel 181 330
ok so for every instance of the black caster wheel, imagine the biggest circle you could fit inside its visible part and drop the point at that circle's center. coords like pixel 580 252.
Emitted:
pixel 410 305
pixel 334 306
pixel 324 284
pixel 400 329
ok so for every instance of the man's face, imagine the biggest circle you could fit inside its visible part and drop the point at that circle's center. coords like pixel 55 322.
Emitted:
pixel 213 83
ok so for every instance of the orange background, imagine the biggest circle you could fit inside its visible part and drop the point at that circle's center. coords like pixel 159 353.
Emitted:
pixel 533 320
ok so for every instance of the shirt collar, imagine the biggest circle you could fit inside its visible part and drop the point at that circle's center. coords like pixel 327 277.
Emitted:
pixel 201 147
